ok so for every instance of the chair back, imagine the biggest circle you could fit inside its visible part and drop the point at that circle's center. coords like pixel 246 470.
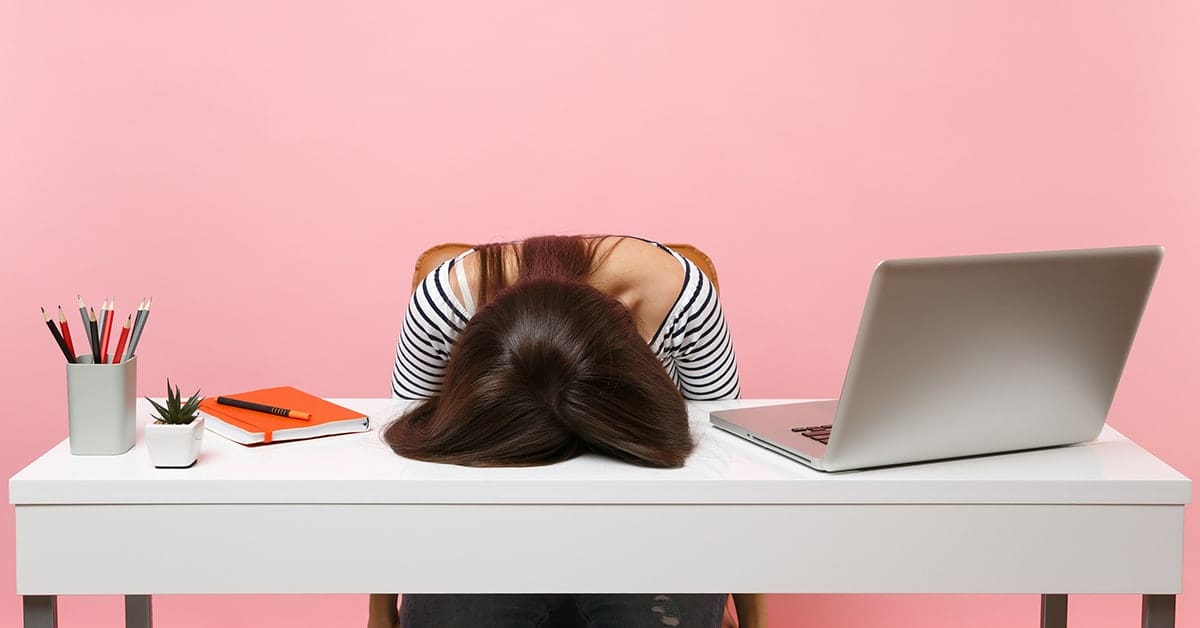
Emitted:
pixel 437 254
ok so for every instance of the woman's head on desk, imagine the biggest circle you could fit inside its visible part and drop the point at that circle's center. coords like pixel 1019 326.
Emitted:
pixel 550 367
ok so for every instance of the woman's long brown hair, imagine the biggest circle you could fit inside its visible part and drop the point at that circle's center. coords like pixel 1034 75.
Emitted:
pixel 548 368
pixel 562 257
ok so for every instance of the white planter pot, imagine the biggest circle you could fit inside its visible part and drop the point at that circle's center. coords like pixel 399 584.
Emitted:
pixel 174 445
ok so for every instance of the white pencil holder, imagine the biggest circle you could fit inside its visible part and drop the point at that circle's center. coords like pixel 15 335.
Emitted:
pixel 101 401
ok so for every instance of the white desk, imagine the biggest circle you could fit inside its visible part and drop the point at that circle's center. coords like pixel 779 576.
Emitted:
pixel 346 515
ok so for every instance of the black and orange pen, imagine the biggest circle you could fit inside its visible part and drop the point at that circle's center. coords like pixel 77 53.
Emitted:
pixel 258 407
pixel 57 337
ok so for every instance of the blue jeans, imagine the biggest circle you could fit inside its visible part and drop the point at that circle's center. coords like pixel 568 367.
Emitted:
pixel 634 610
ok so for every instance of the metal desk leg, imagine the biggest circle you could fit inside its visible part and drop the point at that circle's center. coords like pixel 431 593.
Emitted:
pixel 1158 611
pixel 1054 611
pixel 137 611
pixel 41 611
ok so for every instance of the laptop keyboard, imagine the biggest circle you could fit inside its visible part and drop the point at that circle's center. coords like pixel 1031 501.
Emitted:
pixel 819 433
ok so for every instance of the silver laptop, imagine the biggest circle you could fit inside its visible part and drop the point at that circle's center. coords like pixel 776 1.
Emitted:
pixel 960 356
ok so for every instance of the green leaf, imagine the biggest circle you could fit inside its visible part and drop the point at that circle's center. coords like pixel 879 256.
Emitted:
pixel 176 411
pixel 162 412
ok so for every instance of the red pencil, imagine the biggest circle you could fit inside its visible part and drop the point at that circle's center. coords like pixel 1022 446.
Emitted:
pixel 121 341
pixel 57 336
pixel 107 305
pixel 66 331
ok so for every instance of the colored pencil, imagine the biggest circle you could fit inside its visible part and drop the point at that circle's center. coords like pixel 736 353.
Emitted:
pixel 137 317
pixel 102 316
pixel 83 314
pixel 107 315
pixel 122 339
pixel 66 332
pixel 139 323
pixel 134 329
pixel 57 336
pixel 95 333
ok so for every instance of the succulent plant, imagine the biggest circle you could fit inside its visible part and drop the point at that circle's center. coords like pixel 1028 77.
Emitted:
pixel 176 412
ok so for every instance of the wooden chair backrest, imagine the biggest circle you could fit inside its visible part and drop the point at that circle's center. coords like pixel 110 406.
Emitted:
pixel 437 254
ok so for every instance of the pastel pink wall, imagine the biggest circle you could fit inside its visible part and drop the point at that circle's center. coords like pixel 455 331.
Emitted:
pixel 269 170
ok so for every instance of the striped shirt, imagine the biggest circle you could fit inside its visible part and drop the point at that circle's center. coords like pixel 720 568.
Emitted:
pixel 693 341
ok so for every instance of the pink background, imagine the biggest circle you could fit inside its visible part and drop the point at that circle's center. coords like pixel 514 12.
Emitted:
pixel 269 170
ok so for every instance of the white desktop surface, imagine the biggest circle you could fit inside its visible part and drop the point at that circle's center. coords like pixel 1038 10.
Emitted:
pixel 344 514
pixel 724 469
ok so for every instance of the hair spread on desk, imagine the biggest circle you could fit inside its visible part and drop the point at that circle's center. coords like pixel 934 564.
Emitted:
pixel 547 369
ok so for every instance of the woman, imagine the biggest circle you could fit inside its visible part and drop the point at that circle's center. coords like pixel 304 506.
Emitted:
pixel 578 344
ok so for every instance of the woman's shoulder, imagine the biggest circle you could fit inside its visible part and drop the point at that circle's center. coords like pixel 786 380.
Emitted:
pixel 644 275
pixel 439 289
pixel 642 259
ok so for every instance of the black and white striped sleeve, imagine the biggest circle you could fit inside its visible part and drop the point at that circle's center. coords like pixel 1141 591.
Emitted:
pixel 432 323
pixel 705 363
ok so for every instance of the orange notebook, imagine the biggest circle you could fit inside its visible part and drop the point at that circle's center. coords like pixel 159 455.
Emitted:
pixel 251 427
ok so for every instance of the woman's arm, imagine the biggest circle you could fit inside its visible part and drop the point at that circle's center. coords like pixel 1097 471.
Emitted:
pixel 431 325
pixel 751 610
pixel 382 612
pixel 706 366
